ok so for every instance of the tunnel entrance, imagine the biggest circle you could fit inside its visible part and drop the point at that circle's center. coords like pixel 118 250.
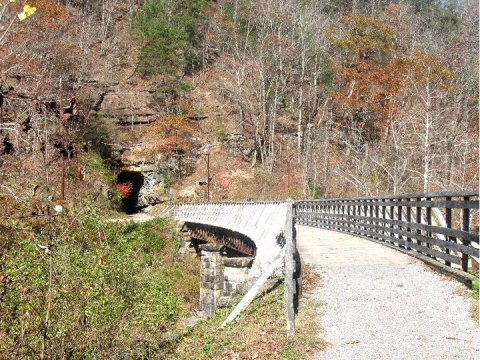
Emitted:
pixel 129 184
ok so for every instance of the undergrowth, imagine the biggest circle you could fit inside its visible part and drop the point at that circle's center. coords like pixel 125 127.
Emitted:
pixel 82 287
pixel 475 286
pixel 257 333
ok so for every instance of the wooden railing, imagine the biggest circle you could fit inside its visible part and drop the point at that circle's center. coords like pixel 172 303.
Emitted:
pixel 442 226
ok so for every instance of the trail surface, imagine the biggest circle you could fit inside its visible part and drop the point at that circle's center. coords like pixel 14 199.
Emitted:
pixel 377 303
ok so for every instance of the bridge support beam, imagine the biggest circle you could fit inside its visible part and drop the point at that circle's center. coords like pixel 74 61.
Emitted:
pixel 221 236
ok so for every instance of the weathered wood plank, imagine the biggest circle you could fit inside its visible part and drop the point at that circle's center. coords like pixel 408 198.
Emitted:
pixel 452 204
pixel 289 271
pixel 461 234
pixel 347 225
pixel 396 241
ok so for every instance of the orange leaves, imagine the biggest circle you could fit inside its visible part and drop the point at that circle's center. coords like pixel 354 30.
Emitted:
pixel 177 125
pixel 177 131
pixel 369 85
pixel 367 37
pixel 50 9
pixel 182 103
pixel 170 122
pixel 174 143
pixel 369 75
pixel 48 13
pixel 373 71
pixel 366 24
pixel 425 67
pixel 52 16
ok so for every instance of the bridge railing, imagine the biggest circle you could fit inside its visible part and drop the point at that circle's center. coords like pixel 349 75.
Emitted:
pixel 262 222
pixel 442 226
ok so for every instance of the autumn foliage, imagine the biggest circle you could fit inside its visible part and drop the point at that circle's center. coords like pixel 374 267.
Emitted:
pixel 124 189
pixel 370 74
pixel 174 143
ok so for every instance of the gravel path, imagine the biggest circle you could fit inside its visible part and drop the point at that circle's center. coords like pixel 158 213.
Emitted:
pixel 390 307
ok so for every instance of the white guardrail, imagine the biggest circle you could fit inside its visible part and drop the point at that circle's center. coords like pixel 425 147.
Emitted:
pixel 263 222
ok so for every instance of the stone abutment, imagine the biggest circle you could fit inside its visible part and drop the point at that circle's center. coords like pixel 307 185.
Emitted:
pixel 223 279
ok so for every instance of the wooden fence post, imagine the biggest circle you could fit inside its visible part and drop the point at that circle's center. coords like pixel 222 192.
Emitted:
pixel 448 221
pixel 428 215
pixel 289 270
pixel 466 228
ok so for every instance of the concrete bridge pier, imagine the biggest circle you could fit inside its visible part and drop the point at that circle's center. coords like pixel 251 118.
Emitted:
pixel 223 279
pixel 211 277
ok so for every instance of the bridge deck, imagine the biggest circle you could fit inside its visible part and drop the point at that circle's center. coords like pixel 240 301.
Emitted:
pixel 378 303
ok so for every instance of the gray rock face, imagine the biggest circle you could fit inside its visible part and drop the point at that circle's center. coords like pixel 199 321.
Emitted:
pixel 155 170
pixel 124 107
pixel 153 190
pixel 240 146
pixel 135 105
pixel 159 172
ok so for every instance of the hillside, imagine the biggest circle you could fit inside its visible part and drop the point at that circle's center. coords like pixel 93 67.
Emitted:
pixel 329 100
pixel 111 107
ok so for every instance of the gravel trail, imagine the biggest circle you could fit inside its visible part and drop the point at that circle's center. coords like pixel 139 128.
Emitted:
pixel 377 303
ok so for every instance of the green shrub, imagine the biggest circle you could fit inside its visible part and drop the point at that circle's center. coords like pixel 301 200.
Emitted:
pixel 170 33
pixel 168 180
pixel 221 131
pixel 108 289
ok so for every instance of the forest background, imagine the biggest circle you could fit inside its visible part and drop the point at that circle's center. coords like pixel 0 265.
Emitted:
pixel 301 99
pixel 335 98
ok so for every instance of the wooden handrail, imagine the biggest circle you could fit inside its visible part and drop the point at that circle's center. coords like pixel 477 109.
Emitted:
pixel 440 223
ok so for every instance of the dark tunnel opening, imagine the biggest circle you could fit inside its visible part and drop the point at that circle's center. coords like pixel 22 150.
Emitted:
pixel 129 184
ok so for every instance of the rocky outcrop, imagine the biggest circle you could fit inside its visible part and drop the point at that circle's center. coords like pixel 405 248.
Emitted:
pixel 241 146
pixel 129 107
pixel 135 105
pixel 140 147
pixel 156 170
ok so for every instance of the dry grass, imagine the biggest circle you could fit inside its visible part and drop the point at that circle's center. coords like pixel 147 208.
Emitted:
pixel 475 311
pixel 259 332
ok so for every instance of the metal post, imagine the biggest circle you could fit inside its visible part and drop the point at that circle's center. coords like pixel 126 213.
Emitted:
pixel 62 131
pixel 384 217
pixel 392 216
pixel 208 177
pixel 409 220
pixel 370 221
pixel 365 221
pixel 419 220
pixel 399 216
pixel 354 208
pixel 428 215
pixel 349 214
